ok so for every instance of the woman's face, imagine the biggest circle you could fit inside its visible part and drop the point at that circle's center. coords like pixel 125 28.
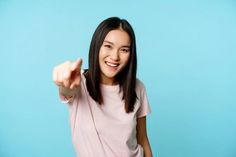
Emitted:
pixel 114 55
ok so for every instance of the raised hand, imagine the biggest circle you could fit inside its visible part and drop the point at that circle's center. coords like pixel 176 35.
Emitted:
pixel 68 74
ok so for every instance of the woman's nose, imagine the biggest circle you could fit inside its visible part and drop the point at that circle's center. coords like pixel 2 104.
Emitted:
pixel 115 55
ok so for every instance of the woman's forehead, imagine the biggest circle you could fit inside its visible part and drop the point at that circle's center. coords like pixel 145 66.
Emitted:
pixel 118 37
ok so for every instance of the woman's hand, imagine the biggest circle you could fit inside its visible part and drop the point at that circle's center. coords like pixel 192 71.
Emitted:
pixel 68 74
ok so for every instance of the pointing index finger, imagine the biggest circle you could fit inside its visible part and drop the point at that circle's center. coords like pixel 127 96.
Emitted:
pixel 77 64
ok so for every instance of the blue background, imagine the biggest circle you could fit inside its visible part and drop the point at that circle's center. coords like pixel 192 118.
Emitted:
pixel 186 59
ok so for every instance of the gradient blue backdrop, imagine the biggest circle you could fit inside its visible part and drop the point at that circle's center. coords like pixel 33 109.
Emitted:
pixel 186 58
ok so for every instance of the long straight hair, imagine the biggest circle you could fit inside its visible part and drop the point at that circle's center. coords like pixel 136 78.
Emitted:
pixel 127 77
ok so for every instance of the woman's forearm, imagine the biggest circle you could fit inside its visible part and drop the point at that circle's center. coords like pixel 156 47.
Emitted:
pixel 67 92
pixel 147 148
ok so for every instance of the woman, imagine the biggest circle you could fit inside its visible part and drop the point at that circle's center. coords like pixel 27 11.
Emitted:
pixel 107 104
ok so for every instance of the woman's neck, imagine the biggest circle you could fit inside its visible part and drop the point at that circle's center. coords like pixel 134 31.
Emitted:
pixel 108 81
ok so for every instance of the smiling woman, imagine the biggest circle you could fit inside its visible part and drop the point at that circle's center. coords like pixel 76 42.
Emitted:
pixel 108 105
pixel 114 55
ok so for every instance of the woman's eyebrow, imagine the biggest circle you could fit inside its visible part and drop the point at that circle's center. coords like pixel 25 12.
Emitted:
pixel 108 42
pixel 126 46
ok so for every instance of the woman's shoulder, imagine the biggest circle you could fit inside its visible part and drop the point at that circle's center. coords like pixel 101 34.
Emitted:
pixel 83 72
pixel 139 85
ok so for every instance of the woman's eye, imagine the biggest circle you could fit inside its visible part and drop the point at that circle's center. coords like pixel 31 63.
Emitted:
pixel 107 46
pixel 125 50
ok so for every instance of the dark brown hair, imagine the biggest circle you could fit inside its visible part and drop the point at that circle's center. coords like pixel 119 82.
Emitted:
pixel 127 77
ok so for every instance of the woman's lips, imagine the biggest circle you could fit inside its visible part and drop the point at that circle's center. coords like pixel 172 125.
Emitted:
pixel 112 64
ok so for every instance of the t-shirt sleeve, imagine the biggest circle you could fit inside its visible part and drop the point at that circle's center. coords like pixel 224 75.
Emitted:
pixel 144 108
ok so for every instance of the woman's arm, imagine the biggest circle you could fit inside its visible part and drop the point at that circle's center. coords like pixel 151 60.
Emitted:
pixel 142 137
pixel 67 92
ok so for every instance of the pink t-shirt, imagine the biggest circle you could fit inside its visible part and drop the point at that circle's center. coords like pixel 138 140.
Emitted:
pixel 106 130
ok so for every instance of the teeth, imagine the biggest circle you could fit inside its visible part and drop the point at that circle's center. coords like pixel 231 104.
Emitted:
pixel 113 65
